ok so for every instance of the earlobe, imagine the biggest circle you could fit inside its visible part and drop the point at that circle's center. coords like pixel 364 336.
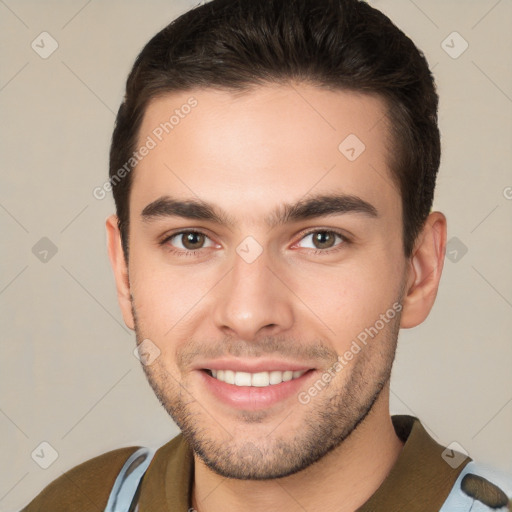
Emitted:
pixel 425 269
pixel 120 269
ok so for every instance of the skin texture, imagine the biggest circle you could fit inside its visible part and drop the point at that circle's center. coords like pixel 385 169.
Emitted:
pixel 249 154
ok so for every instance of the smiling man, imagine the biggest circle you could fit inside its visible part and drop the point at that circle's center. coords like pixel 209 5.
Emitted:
pixel 273 166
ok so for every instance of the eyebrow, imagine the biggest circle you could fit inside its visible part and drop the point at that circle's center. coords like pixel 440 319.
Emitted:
pixel 309 208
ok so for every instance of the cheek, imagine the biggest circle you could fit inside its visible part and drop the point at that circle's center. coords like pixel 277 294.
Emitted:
pixel 167 298
pixel 350 297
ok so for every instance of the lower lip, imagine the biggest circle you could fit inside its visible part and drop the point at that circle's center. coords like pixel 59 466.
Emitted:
pixel 252 397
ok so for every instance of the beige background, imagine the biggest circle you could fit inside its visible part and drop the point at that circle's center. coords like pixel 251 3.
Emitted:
pixel 68 374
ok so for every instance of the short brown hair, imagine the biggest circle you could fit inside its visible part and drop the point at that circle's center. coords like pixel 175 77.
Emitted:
pixel 338 44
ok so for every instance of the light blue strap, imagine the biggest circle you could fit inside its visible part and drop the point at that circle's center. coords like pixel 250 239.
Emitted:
pixel 127 482
pixel 459 501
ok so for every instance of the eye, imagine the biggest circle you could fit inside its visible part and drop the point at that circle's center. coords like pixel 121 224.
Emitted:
pixel 324 240
pixel 190 243
pixel 187 241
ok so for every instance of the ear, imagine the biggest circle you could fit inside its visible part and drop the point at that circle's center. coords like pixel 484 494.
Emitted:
pixel 119 266
pixel 425 268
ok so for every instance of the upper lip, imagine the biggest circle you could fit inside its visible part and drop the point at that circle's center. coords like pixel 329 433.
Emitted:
pixel 252 366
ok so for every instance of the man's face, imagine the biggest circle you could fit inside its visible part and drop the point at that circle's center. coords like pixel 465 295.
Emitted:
pixel 260 296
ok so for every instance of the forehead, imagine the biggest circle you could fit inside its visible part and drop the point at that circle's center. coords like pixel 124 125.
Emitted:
pixel 270 145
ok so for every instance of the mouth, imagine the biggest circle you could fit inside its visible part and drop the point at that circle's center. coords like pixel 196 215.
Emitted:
pixel 258 379
pixel 254 391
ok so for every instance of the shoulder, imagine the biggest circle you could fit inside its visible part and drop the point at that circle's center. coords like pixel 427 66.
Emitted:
pixel 85 487
pixel 480 488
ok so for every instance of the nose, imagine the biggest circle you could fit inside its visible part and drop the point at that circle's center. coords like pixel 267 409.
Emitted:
pixel 252 301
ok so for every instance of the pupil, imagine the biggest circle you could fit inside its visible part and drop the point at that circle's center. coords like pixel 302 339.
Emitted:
pixel 189 240
pixel 322 236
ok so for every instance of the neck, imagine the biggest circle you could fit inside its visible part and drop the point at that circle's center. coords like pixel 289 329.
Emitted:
pixel 341 481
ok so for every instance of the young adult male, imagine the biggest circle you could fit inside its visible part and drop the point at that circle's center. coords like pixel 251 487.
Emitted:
pixel 273 166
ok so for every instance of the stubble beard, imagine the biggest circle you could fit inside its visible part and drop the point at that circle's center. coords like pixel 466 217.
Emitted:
pixel 328 419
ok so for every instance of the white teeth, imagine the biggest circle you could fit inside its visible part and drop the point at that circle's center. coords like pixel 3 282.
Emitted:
pixel 242 378
pixel 259 379
pixel 287 375
pixel 275 377
pixel 229 376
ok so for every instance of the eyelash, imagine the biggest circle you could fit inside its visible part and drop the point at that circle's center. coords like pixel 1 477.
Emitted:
pixel 315 252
